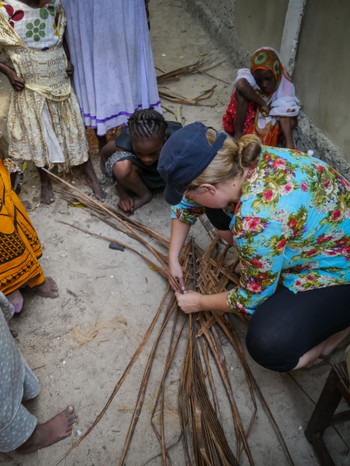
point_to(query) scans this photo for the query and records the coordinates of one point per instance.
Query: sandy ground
(118, 294)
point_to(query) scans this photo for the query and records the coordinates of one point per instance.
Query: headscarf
(267, 58)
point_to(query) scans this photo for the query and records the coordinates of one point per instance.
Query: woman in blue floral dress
(290, 222)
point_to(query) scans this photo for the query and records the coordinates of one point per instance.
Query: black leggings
(218, 218)
(288, 325)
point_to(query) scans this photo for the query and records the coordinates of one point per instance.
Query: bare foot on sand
(126, 204)
(129, 202)
(92, 181)
(96, 188)
(48, 289)
(52, 431)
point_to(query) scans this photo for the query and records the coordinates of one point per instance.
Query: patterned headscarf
(267, 59)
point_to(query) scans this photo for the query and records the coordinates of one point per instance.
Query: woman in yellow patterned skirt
(20, 248)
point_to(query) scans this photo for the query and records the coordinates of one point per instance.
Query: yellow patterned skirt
(20, 247)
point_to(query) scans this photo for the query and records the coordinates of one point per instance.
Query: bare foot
(92, 181)
(48, 289)
(96, 188)
(142, 200)
(47, 196)
(52, 431)
(128, 203)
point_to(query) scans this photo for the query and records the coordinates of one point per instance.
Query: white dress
(111, 52)
(44, 121)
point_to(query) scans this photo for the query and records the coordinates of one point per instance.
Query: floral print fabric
(291, 227)
(37, 27)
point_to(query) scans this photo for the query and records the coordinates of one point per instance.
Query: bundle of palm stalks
(206, 395)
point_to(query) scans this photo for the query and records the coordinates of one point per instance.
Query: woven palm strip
(205, 440)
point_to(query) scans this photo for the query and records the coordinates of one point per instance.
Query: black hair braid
(146, 124)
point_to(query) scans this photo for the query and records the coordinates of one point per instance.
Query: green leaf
(44, 13)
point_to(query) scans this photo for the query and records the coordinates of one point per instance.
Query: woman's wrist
(203, 302)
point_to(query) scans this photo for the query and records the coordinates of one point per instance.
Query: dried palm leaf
(178, 99)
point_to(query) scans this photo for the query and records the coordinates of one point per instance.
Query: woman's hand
(189, 301)
(177, 274)
(16, 81)
(265, 110)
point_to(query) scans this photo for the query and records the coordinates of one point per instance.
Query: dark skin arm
(70, 67)
(244, 94)
(16, 81)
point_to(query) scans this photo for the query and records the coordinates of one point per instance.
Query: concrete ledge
(307, 136)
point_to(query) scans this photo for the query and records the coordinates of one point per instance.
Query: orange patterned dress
(20, 247)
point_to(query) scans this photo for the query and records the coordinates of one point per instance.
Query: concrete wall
(265, 28)
(322, 69)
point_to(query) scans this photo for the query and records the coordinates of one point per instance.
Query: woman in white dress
(111, 52)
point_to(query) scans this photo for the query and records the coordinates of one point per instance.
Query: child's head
(147, 130)
(267, 69)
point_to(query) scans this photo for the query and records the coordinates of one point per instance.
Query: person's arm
(179, 232)
(16, 81)
(70, 67)
(261, 246)
(243, 95)
(246, 91)
(191, 301)
(228, 119)
(183, 215)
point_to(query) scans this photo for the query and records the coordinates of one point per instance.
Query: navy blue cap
(184, 156)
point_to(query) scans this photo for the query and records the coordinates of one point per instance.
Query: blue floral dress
(291, 227)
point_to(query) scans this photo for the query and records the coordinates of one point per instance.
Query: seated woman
(132, 159)
(291, 227)
(263, 101)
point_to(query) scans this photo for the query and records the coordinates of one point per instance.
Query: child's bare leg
(241, 113)
(52, 431)
(92, 181)
(46, 196)
(287, 125)
(131, 189)
(104, 154)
